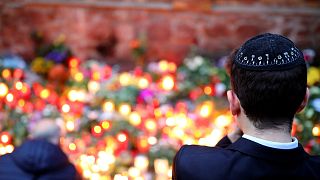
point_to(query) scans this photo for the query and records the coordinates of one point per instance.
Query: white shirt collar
(276, 145)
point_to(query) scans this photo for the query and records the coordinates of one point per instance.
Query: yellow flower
(313, 76)
(41, 66)
(38, 65)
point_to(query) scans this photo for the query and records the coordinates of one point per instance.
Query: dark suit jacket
(244, 159)
(37, 159)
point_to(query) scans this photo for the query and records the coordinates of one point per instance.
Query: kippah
(270, 52)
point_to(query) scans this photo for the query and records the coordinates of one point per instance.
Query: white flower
(190, 64)
(198, 60)
(194, 63)
(220, 89)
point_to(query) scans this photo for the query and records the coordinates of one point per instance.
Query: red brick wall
(171, 27)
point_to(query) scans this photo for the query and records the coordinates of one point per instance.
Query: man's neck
(275, 135)
(280, 134)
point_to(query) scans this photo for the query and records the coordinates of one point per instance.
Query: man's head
(46, 129)
(269, 78)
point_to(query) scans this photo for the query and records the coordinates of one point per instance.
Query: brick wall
(170, 27)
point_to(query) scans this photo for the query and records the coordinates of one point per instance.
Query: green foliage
(125, 94)
(307, 119)
(162, 152)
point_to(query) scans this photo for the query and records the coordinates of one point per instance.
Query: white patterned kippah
(268, 52)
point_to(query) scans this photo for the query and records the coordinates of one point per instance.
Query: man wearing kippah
(269, 86)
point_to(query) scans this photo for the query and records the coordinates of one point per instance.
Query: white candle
(161, 166)
(141, 162)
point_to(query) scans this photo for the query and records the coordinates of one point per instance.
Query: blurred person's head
(269, 81)
(46, 129)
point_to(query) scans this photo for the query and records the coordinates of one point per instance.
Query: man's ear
(305, 101)
(234, 103)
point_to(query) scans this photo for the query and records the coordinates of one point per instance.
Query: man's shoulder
(315, 160)
(201, 154)
(4, 158)
(65, 172)
(202, 159)
(10, 170)
(196, 150)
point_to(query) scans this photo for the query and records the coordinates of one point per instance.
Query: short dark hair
(269, 98)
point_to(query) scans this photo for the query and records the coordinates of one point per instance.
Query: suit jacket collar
(252, 148)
